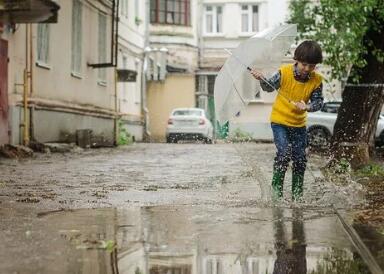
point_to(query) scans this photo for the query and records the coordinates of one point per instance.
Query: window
(124, 8)
(213, 19)
(202, 102)
(137, 11)
(125, 62)
(125, 66)
(213, 266)
(211, 84)
(187, 112)
(331, 107)
(102, 46)
(43, 43)
(76, 37)
(174, 12)
(249, 18)
(137, 84)
(150, 70)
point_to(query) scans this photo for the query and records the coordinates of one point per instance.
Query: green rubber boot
(277, 183)
(297, 186)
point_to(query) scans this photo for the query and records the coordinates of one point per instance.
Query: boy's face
(305, 68)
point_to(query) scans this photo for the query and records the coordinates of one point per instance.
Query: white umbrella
(234, 85)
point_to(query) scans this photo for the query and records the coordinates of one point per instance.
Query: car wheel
(318, 137)
(208, 141)
(380, 140)
(171, 139)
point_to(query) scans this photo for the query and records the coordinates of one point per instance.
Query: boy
(300, 90)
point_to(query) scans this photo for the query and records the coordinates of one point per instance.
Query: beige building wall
(63, 101)
(162, 97)
(55, 80)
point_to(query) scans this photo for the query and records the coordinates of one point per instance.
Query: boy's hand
(257, 74)
(301, 105)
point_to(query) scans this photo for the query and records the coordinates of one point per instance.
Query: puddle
(178, 240)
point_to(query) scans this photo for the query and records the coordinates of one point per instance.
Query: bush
(371, 170)
(125, 138)
(240, 135)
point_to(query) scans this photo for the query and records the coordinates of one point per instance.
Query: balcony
(28, 11)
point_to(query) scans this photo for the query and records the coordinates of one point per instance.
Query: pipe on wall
(25, 124)
(31, 58)
(116, 116)
(145, 111)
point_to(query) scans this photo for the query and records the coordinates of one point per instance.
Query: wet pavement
(170, 208)
(140, 174)
(180, 239)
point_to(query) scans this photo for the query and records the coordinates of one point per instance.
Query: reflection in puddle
(184, 240)
(290, 253)
(175, 269)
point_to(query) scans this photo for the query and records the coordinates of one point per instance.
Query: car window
(184, 112)
(330, 107)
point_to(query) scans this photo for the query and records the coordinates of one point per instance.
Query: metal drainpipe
(116, 48)
(146, 130)
(25, 91)
(116, 122)
(199, 32)
(31, 109)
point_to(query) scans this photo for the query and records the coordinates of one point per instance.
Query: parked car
(189, 123)
(320, 125)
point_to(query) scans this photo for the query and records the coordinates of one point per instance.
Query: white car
(320, 125)
(189, 123)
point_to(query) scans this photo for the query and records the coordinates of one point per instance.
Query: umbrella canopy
(234, 85)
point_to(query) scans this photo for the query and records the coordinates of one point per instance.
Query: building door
(4, 129)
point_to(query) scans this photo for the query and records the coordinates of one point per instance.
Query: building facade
(132, 41)
(172, 58)
(61, 79)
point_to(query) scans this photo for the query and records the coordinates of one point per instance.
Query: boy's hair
(308, 52)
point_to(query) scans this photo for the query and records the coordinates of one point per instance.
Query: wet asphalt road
(168, 208)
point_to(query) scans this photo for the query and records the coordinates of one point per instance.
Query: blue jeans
(290, 143)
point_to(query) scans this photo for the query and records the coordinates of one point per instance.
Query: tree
(351, 33)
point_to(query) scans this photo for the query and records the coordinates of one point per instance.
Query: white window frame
(214, 19)
(137, 83)
(249, 13)
(102, 47)
(43, 41)
(77, 35)
(137, 9)
(124, 8)
(124, 64)
(150, 70)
